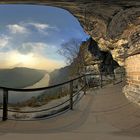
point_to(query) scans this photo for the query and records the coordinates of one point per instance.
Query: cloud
(41, 27)
(24, 27)
(4, 40)
(31, 47)
(17, 28)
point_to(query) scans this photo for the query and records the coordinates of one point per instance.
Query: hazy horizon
(27, 68)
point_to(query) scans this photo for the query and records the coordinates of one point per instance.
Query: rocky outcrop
(106, 63)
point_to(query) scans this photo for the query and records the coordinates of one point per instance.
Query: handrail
(48, 87)
(42, 110)
(72, 100)
(43, 88)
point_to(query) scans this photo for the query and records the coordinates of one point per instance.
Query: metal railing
(74, 97)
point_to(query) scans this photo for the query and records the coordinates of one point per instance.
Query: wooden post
(71, 95)
(5, 105)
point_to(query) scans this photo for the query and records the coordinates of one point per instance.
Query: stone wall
(132, 89)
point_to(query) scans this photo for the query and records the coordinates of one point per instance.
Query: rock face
(132, 89)
(106, 63)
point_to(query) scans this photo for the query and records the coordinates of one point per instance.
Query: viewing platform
(101, 114)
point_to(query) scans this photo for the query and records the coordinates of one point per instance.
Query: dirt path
(103, 114)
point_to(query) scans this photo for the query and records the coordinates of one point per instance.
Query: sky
(30, 36)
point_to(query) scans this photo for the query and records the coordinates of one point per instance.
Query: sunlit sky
(30, 36)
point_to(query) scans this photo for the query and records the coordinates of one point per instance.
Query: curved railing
(73, 97)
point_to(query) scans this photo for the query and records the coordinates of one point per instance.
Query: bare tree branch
(70, 49)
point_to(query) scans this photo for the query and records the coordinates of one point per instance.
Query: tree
(75, 52)
(70, 49)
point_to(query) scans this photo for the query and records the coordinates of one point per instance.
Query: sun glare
(24, 59)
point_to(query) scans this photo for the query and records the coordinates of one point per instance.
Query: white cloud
(29, 47)
(24, 27)
(40, 26)
(4, 40)
(16, 28)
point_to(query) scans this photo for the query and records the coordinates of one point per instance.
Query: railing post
(121, 76)
(71, 95)
(114, 79)
(5, 105)
(101, 80)
(85, 84)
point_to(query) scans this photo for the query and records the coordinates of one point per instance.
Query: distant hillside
(55, 77)
(60, 75)
(20, 77)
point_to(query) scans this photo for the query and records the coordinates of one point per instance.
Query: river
(15, 97)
